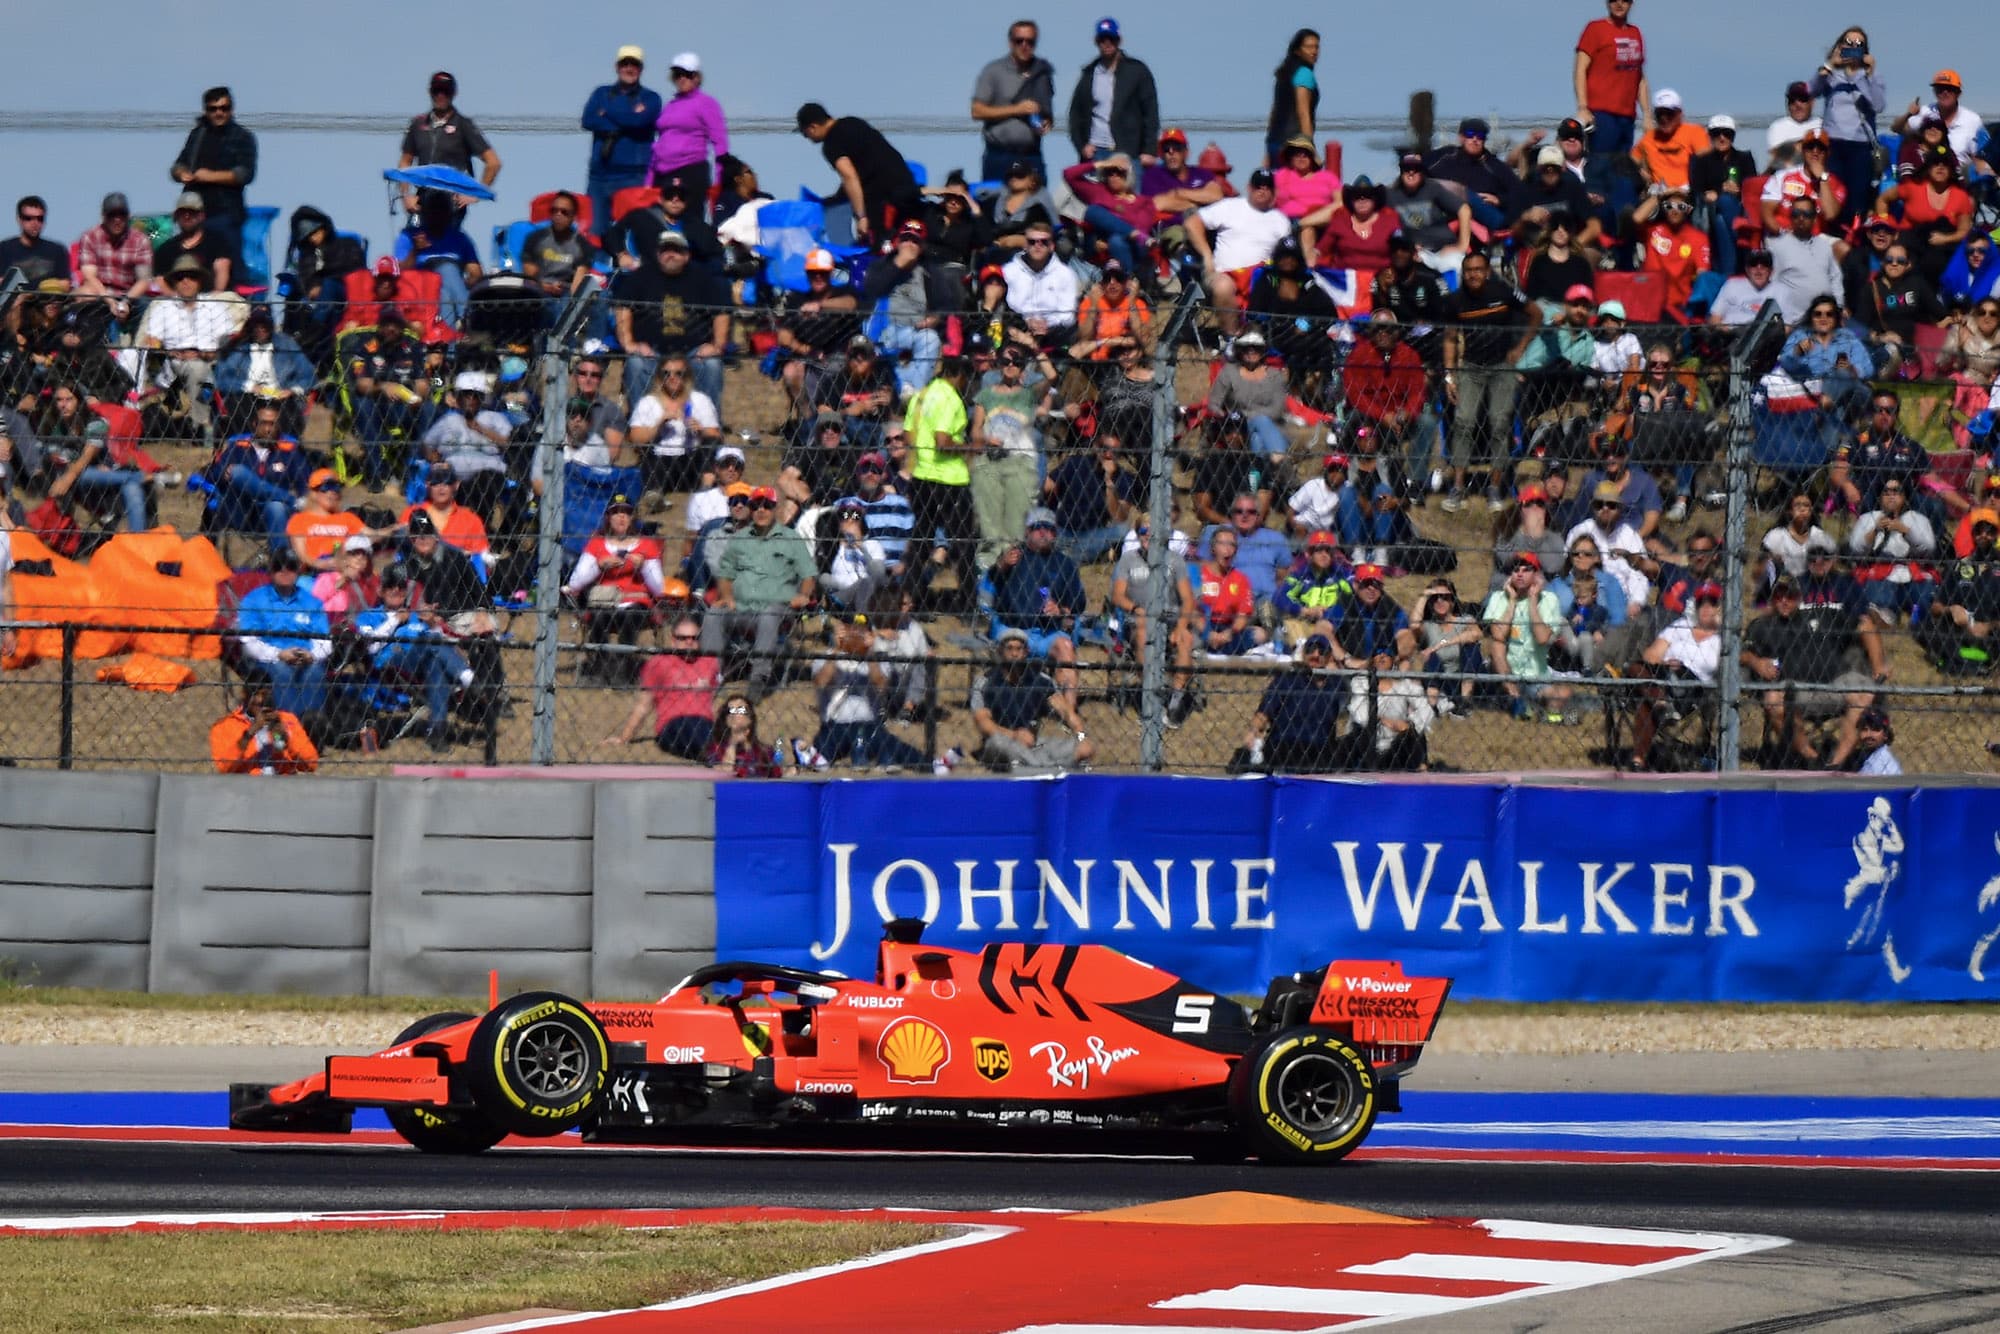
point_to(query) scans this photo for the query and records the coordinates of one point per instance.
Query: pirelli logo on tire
(992, 1059)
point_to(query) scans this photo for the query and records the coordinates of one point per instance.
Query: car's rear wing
(1388, 1016)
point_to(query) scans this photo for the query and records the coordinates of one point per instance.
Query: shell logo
(913, 1050)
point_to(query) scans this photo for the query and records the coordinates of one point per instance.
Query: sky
(364, 58)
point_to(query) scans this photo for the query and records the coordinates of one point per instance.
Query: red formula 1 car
(1015, 1037)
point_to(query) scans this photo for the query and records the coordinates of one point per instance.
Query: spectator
(1899, 300)
(691, 126)
(1783, 134)
(1874, 736)
(1623, 550)
(283, 632)
(1488, 182)
(1041, 292)
(1743, 295)
(1961, 123)
(714, 537)
(1825, 351)
(1294, 97)
(1228, 470)
(1114, 108)
(78, 357)
(1013, 99)
(351, 586)
(1551, 193)
(451, 587)
(403, 640)
(1126, 400)
(1805, 267)
(1297, 315)
(259, 738)
(1433, 215)
(1491, 326)
(1610, 78)
(1008, 704)
(764, 579)
(1023, 198)
(711, 503)
(920, 294)
(1370, 518)
(678, 208)
(1882, 452)
(1970, 277)
(1715, 179)
(1637, 491)
(739, 187)
(1292, 730)
(1314, 589)
(679, 687)
(859, 566)
(853, 684)
(1524, 526)
(1789, 645)
(669, 306)
(1811, 181)
(218, 161)
(1232, 237)
(264, 472)
(1388, 721)
(320, 531)
(434, 241)
(1670, 147)
(1175, 184)
(1226, 602)
(557, 258)
(470, 438)
(189, 328)
(1962, 631)
(442, 137)
(1937, 212)
(620, 119)
(1616, 353)
(1854, 93)
(678, 426)
(39, 259)
(1092, 498)
(889, 518)
(1249, 385)
(733, 743)
(1131, 585)
(1687, 651)
(616, 579)
(940, 486)
(1313, 506)
(874, 178)
(388, 388)
(78, 444)
(114, 259)
(1788, 546)
(1363, 233)
(1037, 588)
(457, 526)
(1452, 643)
(1522, 621)
(1003, 476)
(1262, 554)
(1893, 548)
(959, 235)
(1412, 292)
(1370, 623)
(1114, 212)
(1675, 248)
(1384, 385)
(262, 366)
(813, 473)
(1307, 192)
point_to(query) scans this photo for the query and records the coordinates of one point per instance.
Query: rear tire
(1309, 1098)
(439, 1129)
(536, 1064)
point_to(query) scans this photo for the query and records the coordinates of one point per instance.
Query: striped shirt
(890, 521)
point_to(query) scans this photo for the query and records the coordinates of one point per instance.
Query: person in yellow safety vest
(941, 479)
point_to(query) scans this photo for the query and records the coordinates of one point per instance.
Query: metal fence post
(66, 742)
(549, 534)
(1159, 555)
(1739, 471)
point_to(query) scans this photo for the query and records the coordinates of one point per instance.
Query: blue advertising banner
(1518, 892)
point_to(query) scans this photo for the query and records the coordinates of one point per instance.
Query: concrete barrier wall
(393, 886)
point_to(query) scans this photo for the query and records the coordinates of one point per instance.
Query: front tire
(1309, 1098)
(537, 1064)
(440, 1129)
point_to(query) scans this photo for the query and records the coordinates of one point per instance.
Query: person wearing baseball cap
(1176, 182)
(691, 126)
(1488, 182)
(1432, 214)
(1962, 631)
(283, 632)
(1307, 600)
(441, 137)
(194, 239)
(1524, 618)
(1675, 248)
(710, 504)
(113, 259)
(1311, 508)
(1114, 108)
(620, 118)
(318, 531)
(1716, 178)
(874, 178)
(1961, 123)
(1668, 150)
(1235, 235)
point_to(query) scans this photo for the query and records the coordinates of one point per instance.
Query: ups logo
(991, 1059)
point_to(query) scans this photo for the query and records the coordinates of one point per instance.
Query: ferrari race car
(1014, 1037)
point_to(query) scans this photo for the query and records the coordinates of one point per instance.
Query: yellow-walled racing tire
(1308, 1097)
(536, 1064)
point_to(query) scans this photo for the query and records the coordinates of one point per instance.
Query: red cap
(991, 271)
(1322, 538)
(1580, 292)
(1173, 134)
(1339, 460)
(1368, 574)
(1708, 592)
(764, 493)
(1525, 558)
(387, 267)
(1534, 495)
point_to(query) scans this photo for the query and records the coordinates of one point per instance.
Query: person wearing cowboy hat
(190, 329)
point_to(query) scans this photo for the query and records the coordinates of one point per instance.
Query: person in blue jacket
(401, 639)
(620, 119)
(262, 365)
(1824, 352)
(261, 474)
(294, 662)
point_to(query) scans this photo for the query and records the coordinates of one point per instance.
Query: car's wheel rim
(1316, 1094)
(550, 1059)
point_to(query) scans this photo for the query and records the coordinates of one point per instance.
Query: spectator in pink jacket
(691, 124)
(1113, 209)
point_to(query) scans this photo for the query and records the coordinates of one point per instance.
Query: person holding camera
(1854, 93)
(259, 738)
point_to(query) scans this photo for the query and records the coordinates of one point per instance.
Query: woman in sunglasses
(1971, 276)
(1898, 299)
(733, 743)
(1685, 659)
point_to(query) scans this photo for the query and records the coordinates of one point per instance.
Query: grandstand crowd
(1443, 442)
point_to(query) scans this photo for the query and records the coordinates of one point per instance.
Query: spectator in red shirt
(733, 743)
(1610, 78)
(1937, 213)
(1226, 600)
(680, 689)
(1384, 381)
(1676, 249)
(1811, 179)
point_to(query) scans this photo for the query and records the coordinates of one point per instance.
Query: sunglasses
(1988, 312)
(1039, 241)
(590, 375)
(765, 504)
(669, 375)
(1608, 505)
(1885, 407)
(687, 639)
(1660, 365)
(1825, 314)
(734, 501)
(739, 710)
(1900, 261)
(1243, 511)
(219, 106)
(1584, 553)
(1024, 41)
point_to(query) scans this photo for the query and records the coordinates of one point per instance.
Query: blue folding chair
(508, 243)
(254, 244)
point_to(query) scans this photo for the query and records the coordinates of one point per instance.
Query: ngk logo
(1376, 984)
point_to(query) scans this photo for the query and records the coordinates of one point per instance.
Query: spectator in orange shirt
(320, 529)
(1675, 248)
(1670, 148)
(457, 525)
(1112, 311)
(257, 738)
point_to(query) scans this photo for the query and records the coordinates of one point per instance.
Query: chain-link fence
(1386, 549)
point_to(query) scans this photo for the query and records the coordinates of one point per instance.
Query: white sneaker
(1453, 502)
(169, 478)
(948, 761)
(1678, 511)
(808, 755)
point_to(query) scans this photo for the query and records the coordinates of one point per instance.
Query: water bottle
(1035, 120)
(369, 740)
